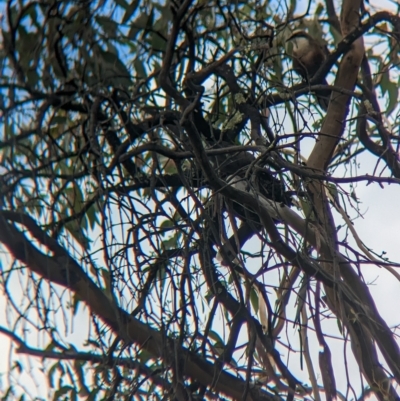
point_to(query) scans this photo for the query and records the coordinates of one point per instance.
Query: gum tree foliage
(172, 194)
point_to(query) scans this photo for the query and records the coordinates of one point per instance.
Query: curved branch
(61, 268)
(72, 355)
(352, 290)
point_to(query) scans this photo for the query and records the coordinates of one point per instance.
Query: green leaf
(93, 343)
(7, 394)
(215, 336)
(139, 68)
(319, 10)
(58, 119)
(74, 395)
(107, 279)
(219, 345)
(26, 43)
(114, 71)
(122, 3)
(157, 42)
(32, 77)
(109, 25)
(62, 391)
(93, 395)
(391, 89)
(130, 9)
(92, 215)
(78, 368)
(78, 198)
(50, 346)
(209, 297)
(301, 298)
(76, 231)
(339, 324)
(31, 11)
(52, 371)
(161, 274)
(307, 208)
(171, 242)
(75, 303)
(332, 188)
(150, 19)
(144, 356)
(254, 299)
(142, 22)
(17, 366)
(168, 223)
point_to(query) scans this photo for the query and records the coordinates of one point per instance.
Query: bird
(307, 56)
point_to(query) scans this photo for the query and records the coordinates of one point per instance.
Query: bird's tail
(323, 96)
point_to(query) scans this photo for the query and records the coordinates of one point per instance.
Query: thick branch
(62, 269)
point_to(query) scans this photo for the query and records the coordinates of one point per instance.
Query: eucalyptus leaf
(130, 9)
